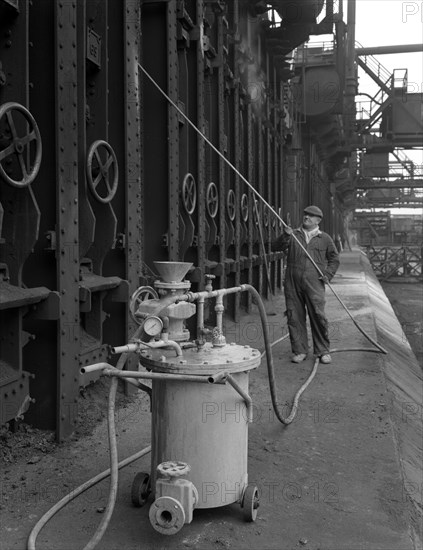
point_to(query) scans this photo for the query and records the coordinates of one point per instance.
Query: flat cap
(313, 211)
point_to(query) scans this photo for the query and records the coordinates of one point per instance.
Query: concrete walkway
(345, 475)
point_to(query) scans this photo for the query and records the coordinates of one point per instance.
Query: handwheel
(142, 294)
(212, 199)
(230, 204)
(100, 160)
(141, 489)
(189, 193)
(17, 146)
(244, 207)
(250, 503)
(173, 468)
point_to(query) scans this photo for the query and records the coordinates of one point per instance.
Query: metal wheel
(98, 170)
(189, 193)
(212, 199)
(250, 503)
(244, 207)
(230, 205)
(14, 147)
(141, 489)
(140, 295)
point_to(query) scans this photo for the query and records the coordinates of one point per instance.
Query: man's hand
(288, 230)
(324, 279)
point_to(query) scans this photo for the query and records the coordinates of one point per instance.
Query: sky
(392, 22)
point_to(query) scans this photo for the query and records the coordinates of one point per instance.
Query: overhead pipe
(381, 50)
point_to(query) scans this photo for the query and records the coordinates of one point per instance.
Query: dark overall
(304, 291)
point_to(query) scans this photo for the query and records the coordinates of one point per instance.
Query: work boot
(299, 357)
(326, 359)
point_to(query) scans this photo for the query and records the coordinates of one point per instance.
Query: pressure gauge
(153, 325)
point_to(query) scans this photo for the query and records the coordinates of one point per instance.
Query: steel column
(67, 213)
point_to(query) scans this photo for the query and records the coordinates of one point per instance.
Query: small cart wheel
(140, 489)
(250, 503)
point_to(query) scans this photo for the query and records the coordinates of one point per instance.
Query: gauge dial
(153, 325)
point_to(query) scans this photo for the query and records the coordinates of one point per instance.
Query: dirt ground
(37, 472)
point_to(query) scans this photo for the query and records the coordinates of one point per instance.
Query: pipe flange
(167, 515)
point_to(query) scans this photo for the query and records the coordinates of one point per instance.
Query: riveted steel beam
(201, 146)
(134, 205)
(65, 27)
(173, 129)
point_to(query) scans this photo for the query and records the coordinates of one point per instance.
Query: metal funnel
(172, 272)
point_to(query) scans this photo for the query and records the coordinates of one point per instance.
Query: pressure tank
(203, 424)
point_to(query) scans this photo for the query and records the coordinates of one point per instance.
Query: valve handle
(100, 170)
(173, 468)
(230, 204)
(212, 199)
(142, 294)
(189, 193)
(244, 207)
(17, 147)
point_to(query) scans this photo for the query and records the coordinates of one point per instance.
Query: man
(304, 286)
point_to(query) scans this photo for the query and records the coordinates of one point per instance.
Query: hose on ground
(286, 420)
(113, 471)
(75, 493)
(115, 465)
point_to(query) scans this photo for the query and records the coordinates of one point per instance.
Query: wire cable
(258, 195)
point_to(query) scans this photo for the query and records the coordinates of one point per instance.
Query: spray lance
(122, 360)
(260, 197)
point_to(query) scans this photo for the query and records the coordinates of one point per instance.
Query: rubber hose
(113, 468)
(75, 493)
(270, 367)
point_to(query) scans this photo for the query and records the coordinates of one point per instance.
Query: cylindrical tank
(202, 424)
(322, 91)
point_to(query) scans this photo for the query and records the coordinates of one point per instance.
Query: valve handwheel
(17, 147)
(189, 193)
(98, 170)
(266, 217)
(142, 294)
(244, 207)
(212, 199)
(173, 468)
(230, 204)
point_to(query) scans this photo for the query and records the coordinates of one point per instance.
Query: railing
(414, 170)
(375, 66)
(393, 261)
(369, 111)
